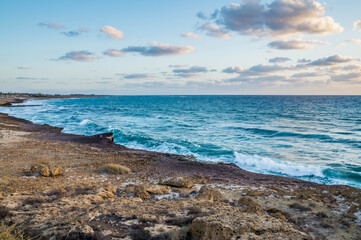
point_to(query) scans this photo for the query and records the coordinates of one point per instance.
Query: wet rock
(210, 194)
(80, 232)
(138, 190)
(46, 170)
(243, 226)
(158, 189)
(250, 205)
(181, 182)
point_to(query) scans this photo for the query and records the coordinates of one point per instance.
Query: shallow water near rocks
(316, 138)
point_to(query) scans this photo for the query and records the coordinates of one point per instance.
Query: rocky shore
(62, 186)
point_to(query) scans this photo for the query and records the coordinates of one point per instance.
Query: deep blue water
(317, 138)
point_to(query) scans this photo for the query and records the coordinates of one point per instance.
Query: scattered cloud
(112, 32)
(347, 78)
(113, 53)
(279, 18)
(71, 33)
(51, 25)
(190, 72)
(357, 25)
(215, 31)
(30, 78)
(355, 40)
(22, 68)
(177, 66)
(79, 56)
(279, 60)
(190, 35)
(332, 61)
(295, 44)
(159, 49)
(137, 76)
(304, 60)
(233, 70)
(75, 33)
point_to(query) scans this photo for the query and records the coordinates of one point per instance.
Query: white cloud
(279, 60)
(191, 35)
(113, 53)
(137, 76)
(159, 49)
(357, 25)
(112, 32)
(295, 44)
(215, 31)
(279, 18)
(51, 25)
(332, 61)
(190, 72)
(79, 56)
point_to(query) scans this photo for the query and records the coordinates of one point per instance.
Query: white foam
(85, 122)
(268, 165)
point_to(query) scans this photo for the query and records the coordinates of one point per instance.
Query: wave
(85, 122)
(268, 165)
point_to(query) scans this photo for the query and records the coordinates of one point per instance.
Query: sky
(162, 47)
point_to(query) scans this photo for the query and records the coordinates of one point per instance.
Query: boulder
(181, 182)
(249, 205)
(158, 189)
(238, 225)
(46, 170)
(210, 194)
(138, 190)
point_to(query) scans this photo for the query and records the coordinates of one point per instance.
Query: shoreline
(209, 201)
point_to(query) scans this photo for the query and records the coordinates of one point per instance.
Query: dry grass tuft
(112, 168)
(11, 233)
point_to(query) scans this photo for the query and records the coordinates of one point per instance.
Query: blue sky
(181, 47)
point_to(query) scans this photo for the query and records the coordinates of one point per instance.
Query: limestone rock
(243, 226)
(210, 194)
(138, 190)
(46, 170)
(161, 231)
(181, 182)
(250, 205)
(158, 189)
(107, 192)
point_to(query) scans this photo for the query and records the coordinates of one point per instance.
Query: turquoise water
(316, 138)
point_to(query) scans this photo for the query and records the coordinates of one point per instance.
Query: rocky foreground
(62, 186)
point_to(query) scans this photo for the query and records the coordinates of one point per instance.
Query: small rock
(181, 182)
(107, 192)
(138, 190)
(349, 215)
(46, 170)
(210, 194)
(250, 205)
(158, 189)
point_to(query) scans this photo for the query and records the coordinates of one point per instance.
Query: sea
(315, 138)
